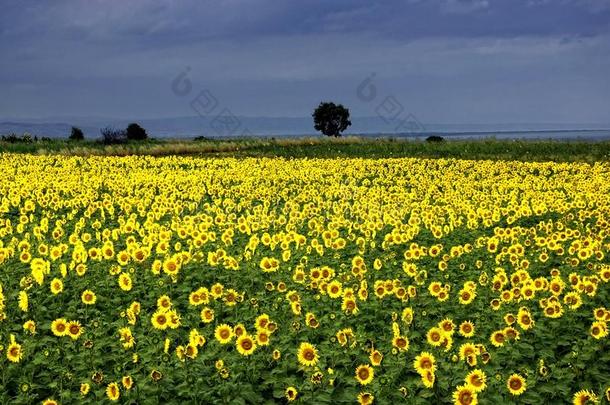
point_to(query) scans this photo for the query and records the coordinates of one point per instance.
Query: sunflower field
(268, 280)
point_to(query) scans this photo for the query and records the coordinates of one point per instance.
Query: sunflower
(498, 338)
(112, 391)
(23, 301)
(599, 314)
(511, 333)
(126, 338)
(376, 357)
(291, 394)
(466, 296)
(424, 362)
(364, 374)
(447, 326)
(231, 297)
(74, 329)
(525, 320)
(59, 327)
(465, 395)
(349, 306)
(509, 319)
(127, 382)
(583, 397)
(401, 343)
(334, 289)
(239, 329)
(365, 398)
(262, 338)
(516, 384)
(477, 380)
(160, 320)
(311, 321)
(164, 303)
(468, 349)
(125, 282)
(30, 326)
(261, 321)
(191, 351)
(156, 375)
(13, 352)
(271, 327)
(428, 379)
(84, 388)
(135, 307)
(171, 267)
(435, 336)
(245, 345)
(57, 286)
(174, 319)
(207, 315)
(88, 297)
(223, 333)
(50, 401)
(181, 352)
(307, 354)
(467, 329)
(599, 329)
(407, 315)
(435, 288)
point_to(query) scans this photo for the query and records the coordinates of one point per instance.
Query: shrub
(136, 133)
(435, 138)
(14, 138)
(76, 134)
(112, 136)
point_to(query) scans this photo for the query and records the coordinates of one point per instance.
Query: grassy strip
(321, 147)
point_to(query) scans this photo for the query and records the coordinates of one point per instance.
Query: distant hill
(176, 127)
(52, 130)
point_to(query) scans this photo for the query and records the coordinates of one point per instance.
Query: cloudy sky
(445, 61)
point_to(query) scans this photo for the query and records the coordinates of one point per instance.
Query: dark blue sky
(445, 61)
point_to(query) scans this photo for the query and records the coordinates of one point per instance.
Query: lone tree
(136, 132)
(331, 119)
(76, 134)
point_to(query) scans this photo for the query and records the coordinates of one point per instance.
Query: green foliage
(363, 147)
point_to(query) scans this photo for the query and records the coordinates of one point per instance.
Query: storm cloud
(460, 61)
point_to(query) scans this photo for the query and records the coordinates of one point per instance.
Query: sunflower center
(465, 398)
(363, 373)
(309, 355)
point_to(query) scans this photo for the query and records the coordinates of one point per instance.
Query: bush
(76, 134)
(435, 138)
(136, 132)
(112, 136)
(14, 138)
